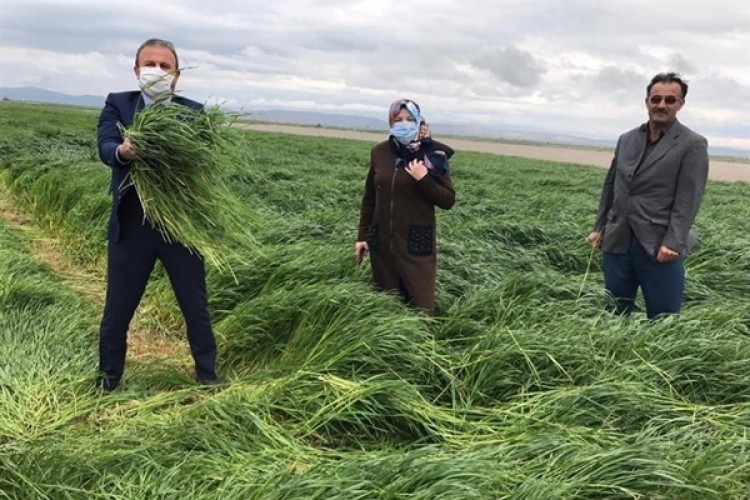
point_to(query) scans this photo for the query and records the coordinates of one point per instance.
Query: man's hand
(666, 254)
(126, 152)
(595, 239)
(360, 251)
(417, 169)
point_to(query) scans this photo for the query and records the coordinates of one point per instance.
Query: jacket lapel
(665, 144)
(139, 104)
(632, 153)
(135, 103)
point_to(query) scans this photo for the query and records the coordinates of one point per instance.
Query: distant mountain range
(42, 95)
(354, 122)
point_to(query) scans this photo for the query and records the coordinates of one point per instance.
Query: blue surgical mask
(405, 132)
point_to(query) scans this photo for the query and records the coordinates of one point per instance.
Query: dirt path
(719, 170)
(144, 344)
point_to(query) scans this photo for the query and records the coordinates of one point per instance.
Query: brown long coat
(397, 219)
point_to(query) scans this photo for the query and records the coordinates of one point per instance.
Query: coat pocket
(420, 240)
(659, 222)
(373, 238)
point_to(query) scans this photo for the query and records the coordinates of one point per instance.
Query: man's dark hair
(668, 78)
(156, 42)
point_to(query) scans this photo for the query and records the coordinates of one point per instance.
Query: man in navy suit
(134, 245)
(650, 198)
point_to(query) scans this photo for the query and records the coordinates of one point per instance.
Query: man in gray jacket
(650, 198)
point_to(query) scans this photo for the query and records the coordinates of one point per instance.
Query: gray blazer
(658, 202)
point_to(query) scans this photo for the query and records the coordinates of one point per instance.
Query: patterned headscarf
(410, 106)
(436, 161)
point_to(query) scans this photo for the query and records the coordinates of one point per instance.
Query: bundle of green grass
(185, 158)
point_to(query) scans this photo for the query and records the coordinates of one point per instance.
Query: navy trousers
(662, 284)
(129, 265)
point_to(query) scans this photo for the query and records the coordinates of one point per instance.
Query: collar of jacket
(645, 127)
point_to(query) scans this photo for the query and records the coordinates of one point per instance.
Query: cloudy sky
(565, 66)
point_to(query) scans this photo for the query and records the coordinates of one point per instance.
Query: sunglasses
(668, 99)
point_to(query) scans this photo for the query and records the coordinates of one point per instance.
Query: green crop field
(521, 386)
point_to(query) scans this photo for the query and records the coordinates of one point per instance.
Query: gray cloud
(614, 80)
(680, 64)
(721, 91)
(515, 66)
(578, 65)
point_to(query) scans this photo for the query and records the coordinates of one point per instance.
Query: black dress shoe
(108, 384)
(209, 381)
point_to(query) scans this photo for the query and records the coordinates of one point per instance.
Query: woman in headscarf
(409, 175)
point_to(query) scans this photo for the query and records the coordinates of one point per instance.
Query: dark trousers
(662, 283)
(129, 265)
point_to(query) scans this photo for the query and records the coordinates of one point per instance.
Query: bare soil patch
(718, 170)
(144, 343)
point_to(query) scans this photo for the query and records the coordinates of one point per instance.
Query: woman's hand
(424, 131)
(416, 169)
(360, 251)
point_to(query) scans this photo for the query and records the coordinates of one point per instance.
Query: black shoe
(108, 384)
(213, 382)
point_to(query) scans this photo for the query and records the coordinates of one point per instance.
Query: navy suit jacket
(121, 108)
(658, 200)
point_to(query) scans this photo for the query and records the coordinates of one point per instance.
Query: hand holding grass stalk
(183, 159)
(126, 152)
